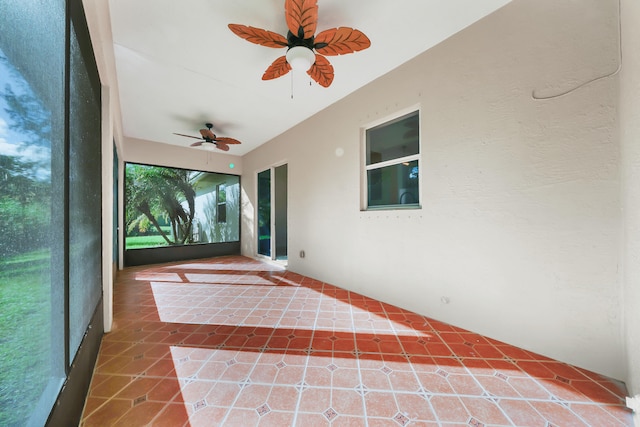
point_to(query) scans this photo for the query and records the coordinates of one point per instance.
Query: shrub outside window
(392, 164)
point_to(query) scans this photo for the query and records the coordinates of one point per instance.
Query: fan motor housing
(293, 41)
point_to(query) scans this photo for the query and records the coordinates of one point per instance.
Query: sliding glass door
(272, 212)
(280, 212)
(264, 213)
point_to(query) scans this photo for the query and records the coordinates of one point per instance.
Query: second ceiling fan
(303, 46)
(207, 136)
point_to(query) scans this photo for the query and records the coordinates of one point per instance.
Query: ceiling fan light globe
(300, 58)
(208, 147)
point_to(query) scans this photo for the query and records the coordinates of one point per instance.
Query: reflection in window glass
(392, 163)
(393, 185)
(394, 139)
(171, 206)
(25, 251)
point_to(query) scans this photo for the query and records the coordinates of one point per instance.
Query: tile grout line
(261, 350)
(309, 350)
(575, 392)
(415, 374)
(357, 355)
(471, 374)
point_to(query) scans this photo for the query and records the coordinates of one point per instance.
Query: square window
(222, 204)
(392, 163)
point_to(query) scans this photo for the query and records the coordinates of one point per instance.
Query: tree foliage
(25, 191)
(25, 207)
(155, 193)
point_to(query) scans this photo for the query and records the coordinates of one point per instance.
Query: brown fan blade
(222, 146)
(342, 40)
(226, 140)
(188, 136)
(278, 68)
(302, 17)
(321, 71)
(197, 144)
(207, 134)
(259, 36)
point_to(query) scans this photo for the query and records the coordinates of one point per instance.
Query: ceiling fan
(207, 136)
(301, 42)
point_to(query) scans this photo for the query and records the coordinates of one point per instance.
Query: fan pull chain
(310, 83)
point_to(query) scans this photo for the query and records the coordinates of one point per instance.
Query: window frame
(365, 168)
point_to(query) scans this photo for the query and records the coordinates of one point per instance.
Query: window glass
(394, 139)
(222, 203)
(392, 163)
(393, 185)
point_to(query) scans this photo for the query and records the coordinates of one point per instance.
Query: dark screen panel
(85, 197)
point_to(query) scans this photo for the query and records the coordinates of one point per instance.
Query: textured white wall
(153, 153)
(520, 219)
(630, 142)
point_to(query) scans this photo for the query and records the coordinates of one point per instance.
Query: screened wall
(50, 211)
(173, 213)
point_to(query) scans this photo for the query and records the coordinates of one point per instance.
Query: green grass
(139, 242)
(25, 334)
(152, 241)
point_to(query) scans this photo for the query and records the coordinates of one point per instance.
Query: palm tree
(153, 192)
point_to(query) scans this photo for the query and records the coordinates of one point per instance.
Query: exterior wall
(630, 142)
(518, 237)
(208, 228)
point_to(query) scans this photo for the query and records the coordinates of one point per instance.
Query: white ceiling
(175, 65)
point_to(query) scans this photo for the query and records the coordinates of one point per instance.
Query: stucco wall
(630, 142)
(520, 219)
(153, 153)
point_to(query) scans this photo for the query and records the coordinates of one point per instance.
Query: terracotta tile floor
(234, 342)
